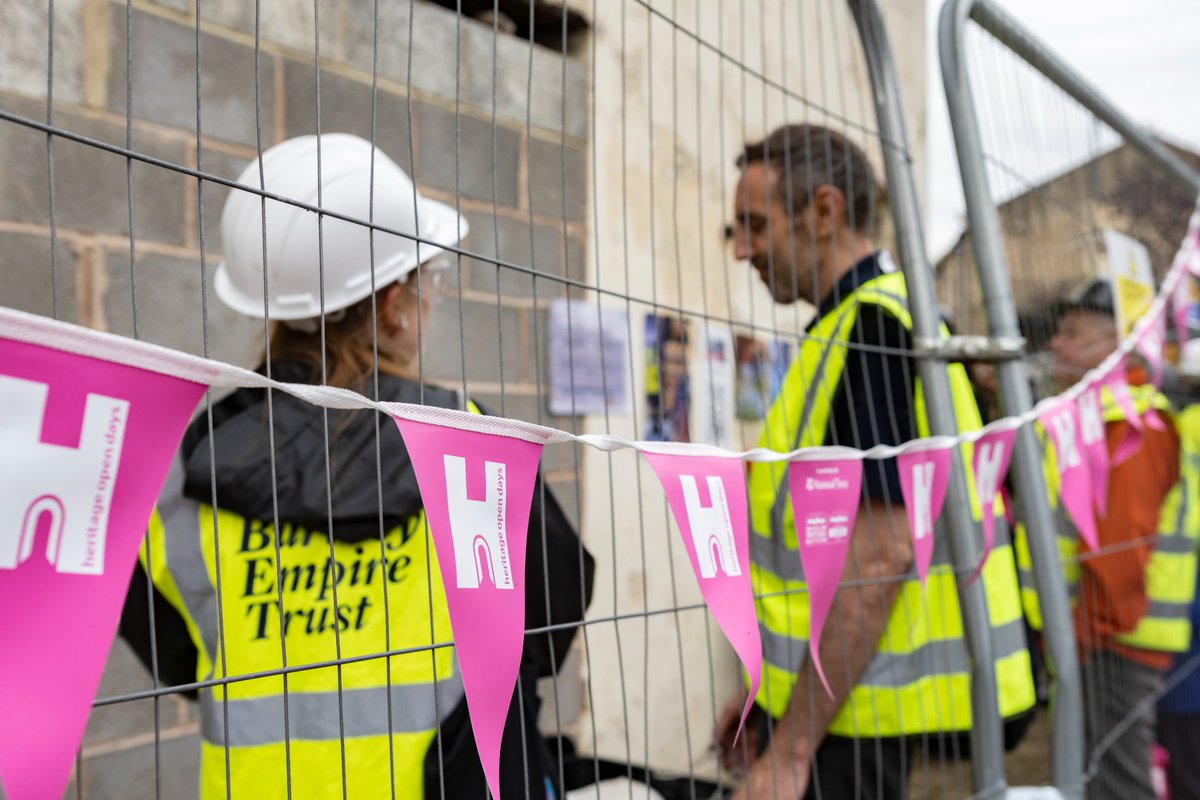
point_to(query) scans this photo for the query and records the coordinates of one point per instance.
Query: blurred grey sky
(1143, 54)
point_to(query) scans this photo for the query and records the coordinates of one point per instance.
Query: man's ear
(828, 211)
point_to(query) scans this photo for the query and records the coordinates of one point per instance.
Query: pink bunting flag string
(989, 464)
(825, 497)
(924, 475)
(86, 446)
(707, 496)
(477, 489)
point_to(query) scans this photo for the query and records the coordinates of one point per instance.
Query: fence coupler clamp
(970, 348)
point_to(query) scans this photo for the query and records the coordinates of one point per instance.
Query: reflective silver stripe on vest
(314, 716)
(1166, 610)
(1175, 544)
(894, 670)
(185, 558)
(784, 562)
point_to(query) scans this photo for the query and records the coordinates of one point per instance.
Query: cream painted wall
(669, 116)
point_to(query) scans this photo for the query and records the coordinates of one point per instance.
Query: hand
(736, 757)
(778, 775)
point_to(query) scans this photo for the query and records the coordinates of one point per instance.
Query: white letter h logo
(922, 483)
(712, 531)
(478, 527)
(71, 486)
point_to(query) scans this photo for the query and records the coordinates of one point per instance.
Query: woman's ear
(389, 310)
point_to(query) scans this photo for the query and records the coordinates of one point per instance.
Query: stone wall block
(456, 155)
(346, 107)
(234, 93)
(131, 773)
(513, 237)
(91, 185)
(25, 64)
(489, 338)
(547, 161)
(170, 308)
(26, 279)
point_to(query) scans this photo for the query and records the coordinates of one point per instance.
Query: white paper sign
(1132, 276)
(583, 340)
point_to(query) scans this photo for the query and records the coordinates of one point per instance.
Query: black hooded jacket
(559, 571)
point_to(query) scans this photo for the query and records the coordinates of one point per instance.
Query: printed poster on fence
(84, 447)
(667, 347)
(589, 358)
(712, 398)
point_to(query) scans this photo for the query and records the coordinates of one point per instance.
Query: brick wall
(86, 258)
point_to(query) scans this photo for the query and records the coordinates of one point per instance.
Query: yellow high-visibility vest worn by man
(894, 655)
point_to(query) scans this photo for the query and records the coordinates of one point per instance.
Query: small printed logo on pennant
(479, 527)
(707, 497)
(68, 490)
(711, 527)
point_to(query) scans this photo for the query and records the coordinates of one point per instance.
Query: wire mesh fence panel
(662, 221)
(1089, 223)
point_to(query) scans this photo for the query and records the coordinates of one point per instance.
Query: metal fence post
(984, 221)
(1067, 755)
(987, 737)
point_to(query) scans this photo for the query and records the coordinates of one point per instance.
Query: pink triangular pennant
(992, 453)
(1181, 307)
(477, 489)
(923, 478)
(1150, 343)
(84, 447)
(1010, 513)
(1095, 445)
(825, 497)
(1118, 386)
(707, 496)
(1061, 422)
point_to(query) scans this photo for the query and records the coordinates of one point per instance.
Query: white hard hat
(294, 243)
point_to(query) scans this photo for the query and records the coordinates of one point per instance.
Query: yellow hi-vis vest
(1171, 569)
(919, 679)
(366, 725)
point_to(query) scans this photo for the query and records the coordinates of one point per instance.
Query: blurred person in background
(1132, 598)
(804, 220)
(288, 535)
